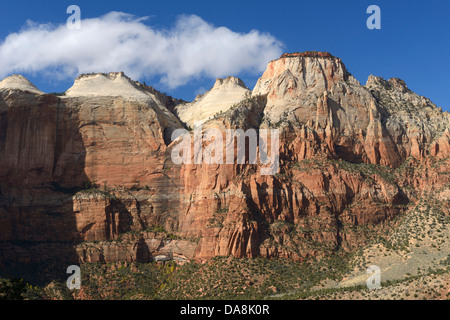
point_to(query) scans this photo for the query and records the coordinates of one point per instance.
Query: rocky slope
(88, 176)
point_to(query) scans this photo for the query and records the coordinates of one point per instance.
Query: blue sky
(413, 43)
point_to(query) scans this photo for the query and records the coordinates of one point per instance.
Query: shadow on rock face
(42, 158)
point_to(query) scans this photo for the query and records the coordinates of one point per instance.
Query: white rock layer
(224, 94)
(112, 84)
(18, 82)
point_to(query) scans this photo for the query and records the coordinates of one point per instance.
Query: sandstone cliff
(88, 176)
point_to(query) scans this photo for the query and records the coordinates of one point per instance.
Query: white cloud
(117, 41)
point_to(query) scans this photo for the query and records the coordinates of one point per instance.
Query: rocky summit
(87, 176)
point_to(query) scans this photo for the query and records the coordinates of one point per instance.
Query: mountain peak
(229, 81)
(392, 83)
(18, 82)
(223, 95)
(375, 80)
(107, 84)
(294, 75)
(399, 84)
(109, 75)
(308, 54)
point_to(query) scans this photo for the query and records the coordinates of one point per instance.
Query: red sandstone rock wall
(90, 178)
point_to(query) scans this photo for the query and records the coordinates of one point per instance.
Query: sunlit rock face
(88, 176)
(221, 97)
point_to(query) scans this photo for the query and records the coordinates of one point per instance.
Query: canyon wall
(88, 176)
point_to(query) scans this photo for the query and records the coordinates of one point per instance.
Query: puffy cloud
(117, 41)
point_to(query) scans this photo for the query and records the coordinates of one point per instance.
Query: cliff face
(88, 176)
(382, 122)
